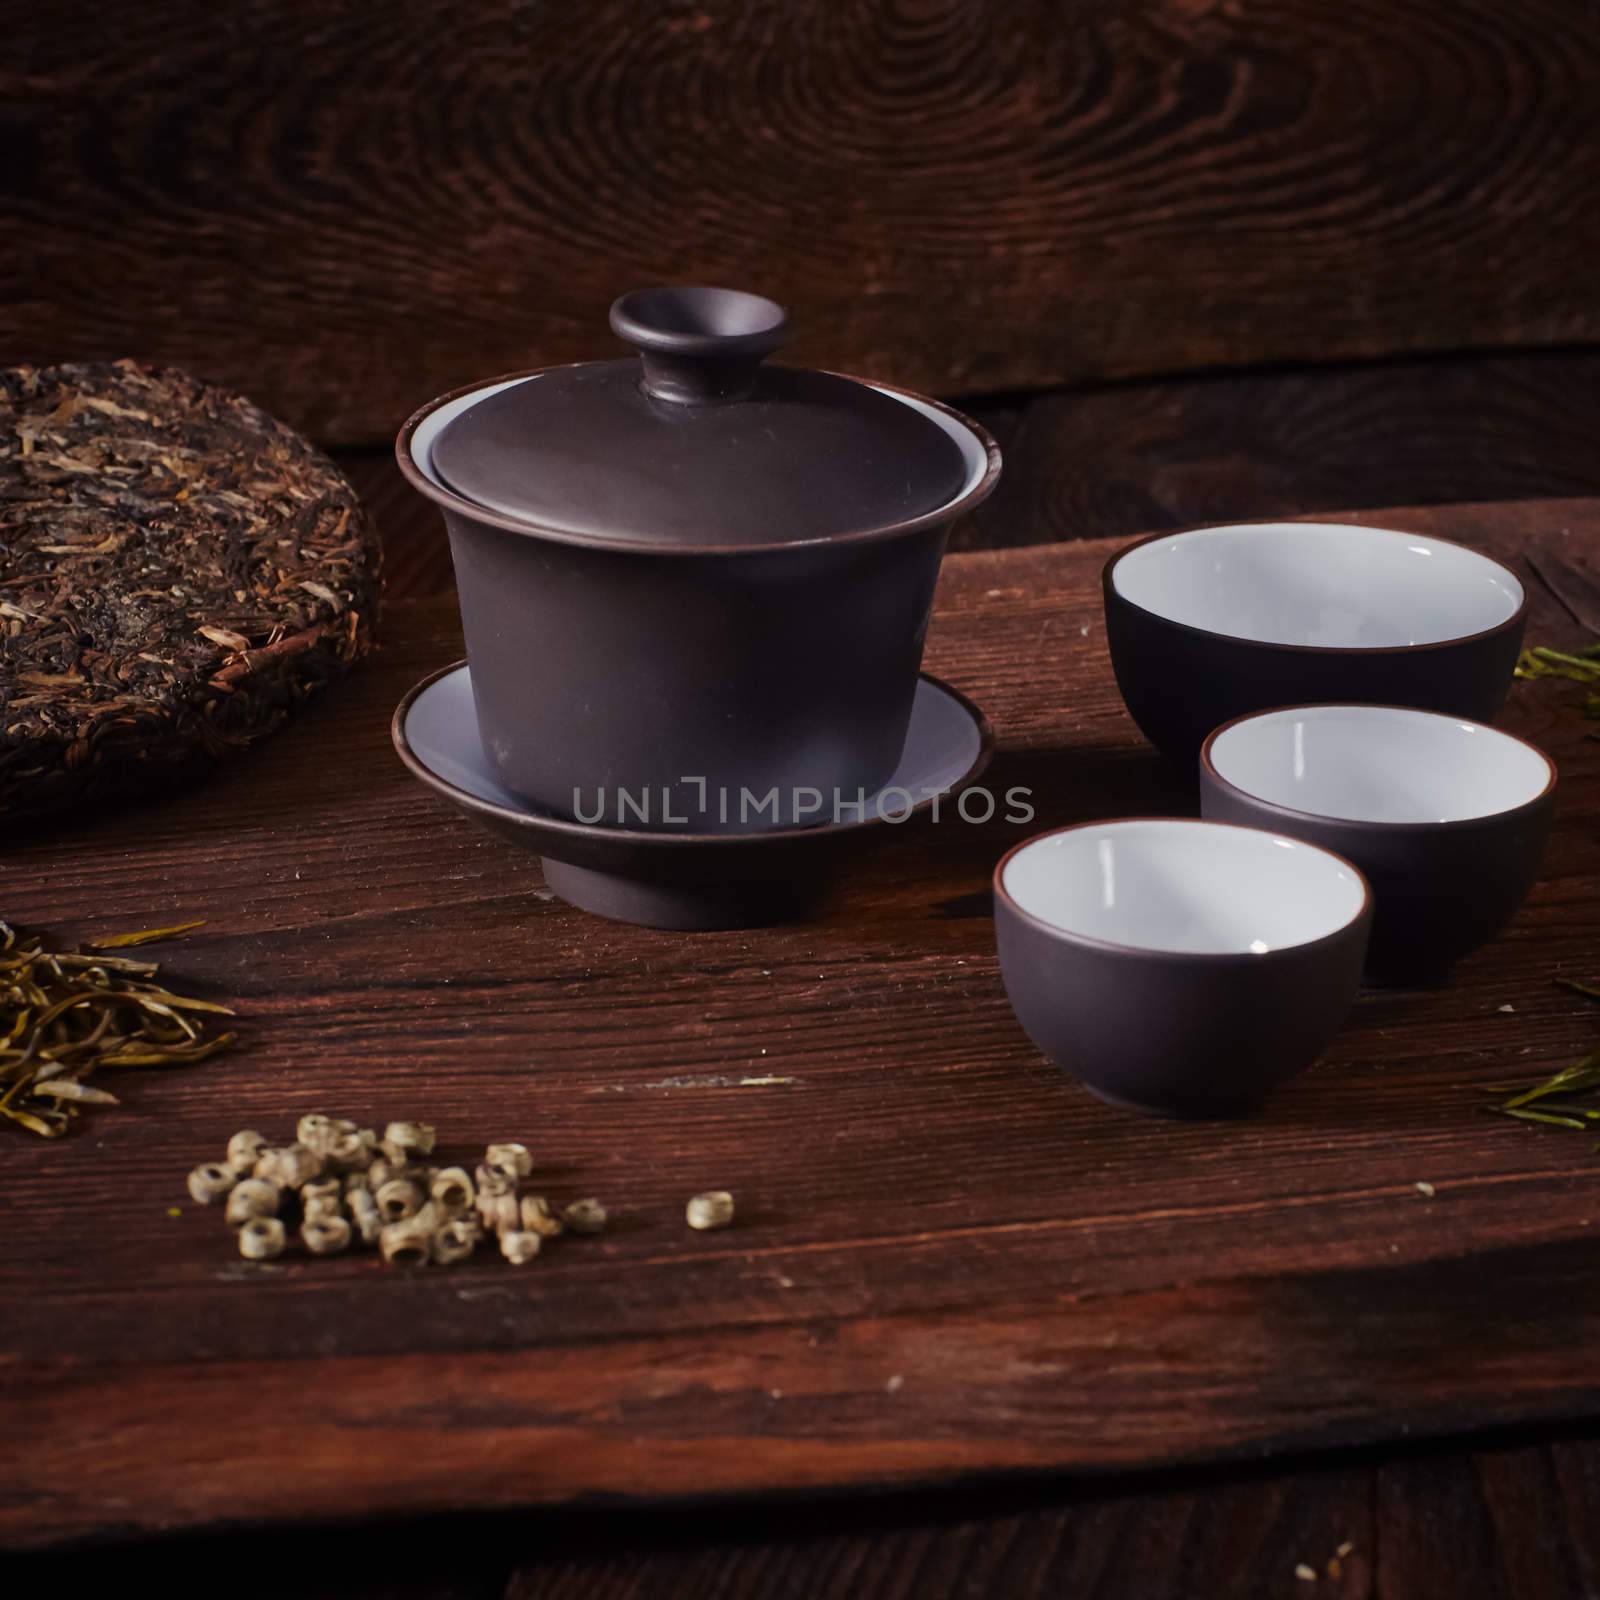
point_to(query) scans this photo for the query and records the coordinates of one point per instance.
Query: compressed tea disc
(178, 572)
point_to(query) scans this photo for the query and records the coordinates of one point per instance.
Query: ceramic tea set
(694, 591)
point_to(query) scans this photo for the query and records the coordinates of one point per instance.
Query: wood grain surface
(950, 1259)
(345, 210)
(1168, 453)
(1503, 1520)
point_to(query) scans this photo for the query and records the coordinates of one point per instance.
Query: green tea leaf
(63, 1015)
(1579, 1078)
(122, 941)
(1550, 1118)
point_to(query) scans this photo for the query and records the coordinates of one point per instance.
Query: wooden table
(951, 1261)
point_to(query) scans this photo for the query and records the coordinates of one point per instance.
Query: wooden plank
(1243, 1536)
(1496, 1524)
(952, 1259)
(1172, 452)
(1502, 1521)
(344, 214)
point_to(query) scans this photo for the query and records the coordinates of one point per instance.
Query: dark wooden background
(1196, 259)
(343, 208)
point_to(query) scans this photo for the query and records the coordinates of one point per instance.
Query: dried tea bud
(537, 1217)
(514, 1161)
(365, 1215)
(348, 1151)
(585, 1216)
(398, 1199)
(499, 1212)
(252, 1197)
(244, 1150)
(290, 1166)
(415, 1138)
(314, 1131)
(261, 1238)
(325, 1236)
(713, 1210)
(404, 1244)
(452, 1189)
(492, 1180)
(517, 1246)
(455, 1240)
(81, 1094)
(211, 1182)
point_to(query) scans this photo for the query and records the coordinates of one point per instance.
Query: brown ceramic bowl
(1447, 818)
(1179, 967)
(703, 593)
(1214, 623)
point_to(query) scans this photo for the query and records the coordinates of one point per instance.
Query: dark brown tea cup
(1213, 623)
(694, 589)
(1179, 967)
(1446, 818)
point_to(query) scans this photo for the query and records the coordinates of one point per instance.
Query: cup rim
(1210, 770)
(1110, 592)
(448, 499)
(1207, 957)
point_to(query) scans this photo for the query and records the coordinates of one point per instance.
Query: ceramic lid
(694, 442)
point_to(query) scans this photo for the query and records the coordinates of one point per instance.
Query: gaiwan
(688, 576)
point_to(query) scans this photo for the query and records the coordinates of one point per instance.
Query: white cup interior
(1379, 764)
(1329, 585)
(1180, 886)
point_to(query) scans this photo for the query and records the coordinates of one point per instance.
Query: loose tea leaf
(1549, 1118)
(1556, 1101)
(65, 1015)
(178, 571)
(1582, 666)
(1579, 1078)
(121, 941)
(1578, 986)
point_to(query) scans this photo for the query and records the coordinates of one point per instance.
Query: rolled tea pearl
(261, 1238)
(518, 1246)
(211, 1182)
(585, 1216)
(455, 1240)
(537, 1216)
(452, 1189)
(325, 1236)
(711, 1210)
(245, 1148)
(253, 1197)
(414, 1138)
(513, 1160)
(364, 1215)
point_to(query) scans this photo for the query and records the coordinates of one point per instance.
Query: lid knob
(699, 347)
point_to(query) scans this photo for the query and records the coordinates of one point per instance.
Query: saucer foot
(680, 907)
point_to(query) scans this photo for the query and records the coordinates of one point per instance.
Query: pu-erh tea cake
(178, 571)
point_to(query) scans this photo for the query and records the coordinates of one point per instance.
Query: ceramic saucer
(682, 880)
